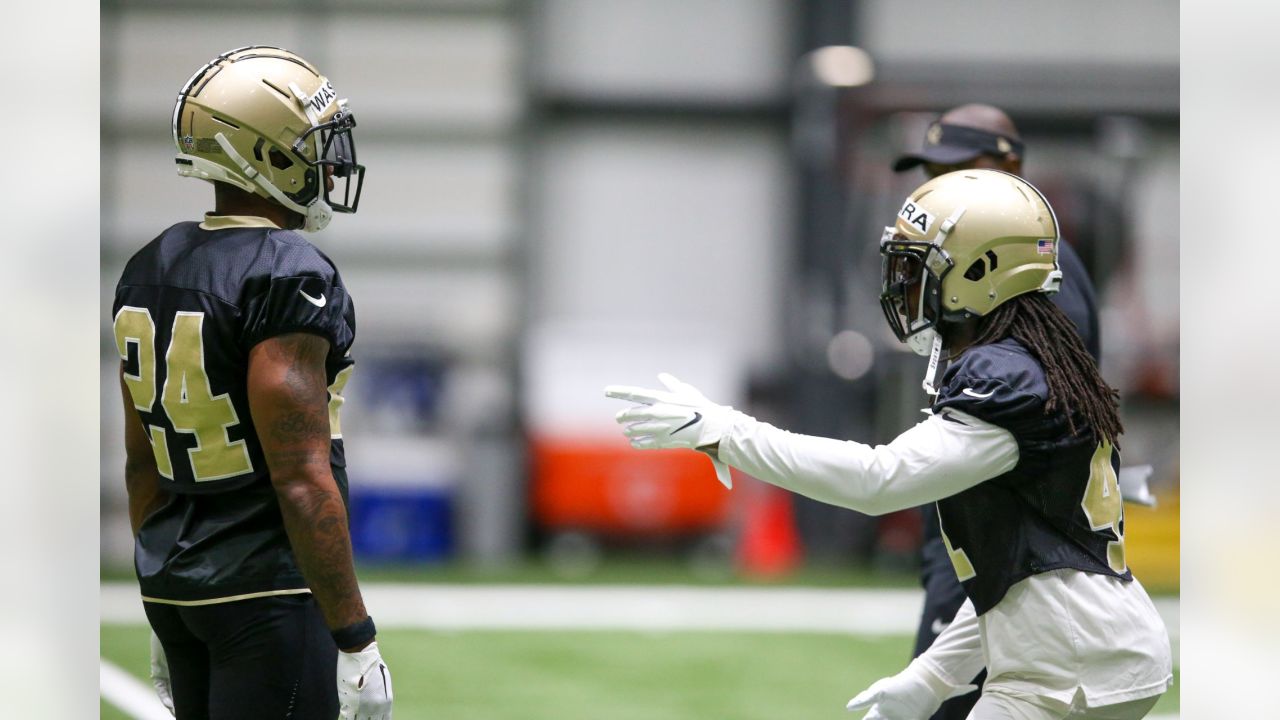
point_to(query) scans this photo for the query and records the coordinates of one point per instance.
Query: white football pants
(996, 704)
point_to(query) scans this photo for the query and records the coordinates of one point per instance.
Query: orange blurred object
(769, 546)
(607, 486)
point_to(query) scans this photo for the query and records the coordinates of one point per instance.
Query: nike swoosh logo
(938, 626)
(318, 302)
(980, 396)
(697, 416)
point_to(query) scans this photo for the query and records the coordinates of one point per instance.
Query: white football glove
(160, 673)
(680, 417)
(913, 694)
(364, 685)
(1133, 485)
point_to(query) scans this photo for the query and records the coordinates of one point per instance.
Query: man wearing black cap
(970, 136)
(981, 137)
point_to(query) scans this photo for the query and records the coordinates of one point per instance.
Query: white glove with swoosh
(679, 417)
(913, 694)
(364, 685)
(160, 673)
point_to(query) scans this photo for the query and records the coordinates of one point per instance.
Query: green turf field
(612, 676)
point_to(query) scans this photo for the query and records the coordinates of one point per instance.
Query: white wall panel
(566, 367)
(470, 312)
(1036, 31)
(692, 49)
(450, 70)
(433, 196)
(397, 68)
(419, 198)
(673, 226)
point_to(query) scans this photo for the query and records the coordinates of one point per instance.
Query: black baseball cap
(946, 144)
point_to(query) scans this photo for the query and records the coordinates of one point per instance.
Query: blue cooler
(402, 500)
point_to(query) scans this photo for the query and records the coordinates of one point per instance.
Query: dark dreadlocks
(1075, 386)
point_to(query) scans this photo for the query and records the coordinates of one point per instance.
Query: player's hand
(913, 694)
(1133, 485)
(160, 673)
(679, 417)
(364, 685)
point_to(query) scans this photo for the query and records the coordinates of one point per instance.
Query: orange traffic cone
(769, 545)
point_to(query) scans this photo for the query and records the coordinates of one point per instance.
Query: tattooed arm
(288, 397)
(141, 477)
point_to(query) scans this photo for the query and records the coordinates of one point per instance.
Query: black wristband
(354, 635)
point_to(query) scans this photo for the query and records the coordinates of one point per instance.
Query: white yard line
(652, 608)
(129, 694)
(647, 609)
(630, 607)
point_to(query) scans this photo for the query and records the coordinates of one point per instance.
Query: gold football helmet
(265, 120)
(963, 244)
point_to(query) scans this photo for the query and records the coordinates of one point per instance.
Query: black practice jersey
(1059, 507)
(1077, 300)
(188, 309)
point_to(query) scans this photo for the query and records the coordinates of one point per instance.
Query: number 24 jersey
(189, 307)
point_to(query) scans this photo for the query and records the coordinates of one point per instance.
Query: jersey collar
(223, 222)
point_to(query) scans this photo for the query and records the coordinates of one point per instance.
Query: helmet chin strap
(317, 214)
(933, 376)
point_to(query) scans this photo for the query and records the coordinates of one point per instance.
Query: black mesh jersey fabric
(1031, 519)
(211, 296)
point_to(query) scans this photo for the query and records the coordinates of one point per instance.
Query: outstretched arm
(288, 396)
(939, 457)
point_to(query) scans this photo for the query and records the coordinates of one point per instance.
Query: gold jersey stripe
(229, 598)
(222, 222)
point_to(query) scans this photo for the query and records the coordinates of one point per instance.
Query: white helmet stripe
(317, 214)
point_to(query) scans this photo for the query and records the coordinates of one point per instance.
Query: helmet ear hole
(976, 271)
(279, 160)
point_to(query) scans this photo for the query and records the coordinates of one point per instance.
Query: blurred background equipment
(529, 160)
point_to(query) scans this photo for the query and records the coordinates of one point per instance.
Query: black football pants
(269, 658)
(943, 597)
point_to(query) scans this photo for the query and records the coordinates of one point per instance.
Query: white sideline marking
(625, 607)
(132, 696)
(629, 607)
(649, 608)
